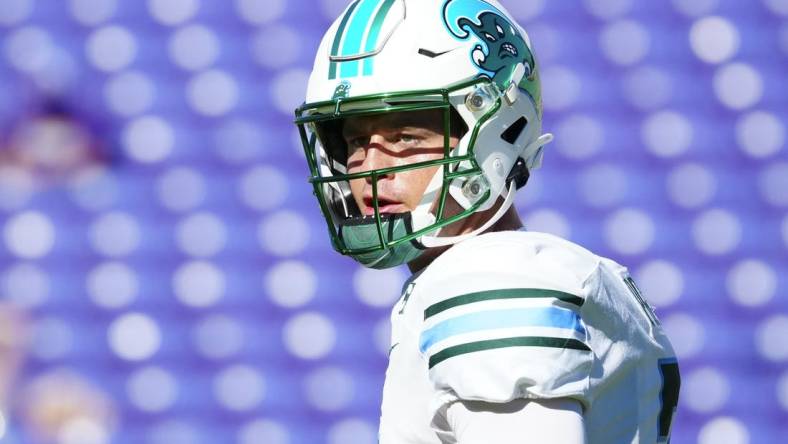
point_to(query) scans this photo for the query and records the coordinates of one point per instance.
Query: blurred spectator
(14, 335)
(63, 407)
(52, 146)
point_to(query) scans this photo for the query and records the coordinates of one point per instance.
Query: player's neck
(510, 221)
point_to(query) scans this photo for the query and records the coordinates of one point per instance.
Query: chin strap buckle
(519, 174)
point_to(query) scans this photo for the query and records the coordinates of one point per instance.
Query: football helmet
(467, 58)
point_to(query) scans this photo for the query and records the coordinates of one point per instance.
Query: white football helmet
(468, 58)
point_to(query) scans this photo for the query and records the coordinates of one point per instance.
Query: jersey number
(668, 396)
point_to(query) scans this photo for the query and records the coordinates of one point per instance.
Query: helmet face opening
(370, 238)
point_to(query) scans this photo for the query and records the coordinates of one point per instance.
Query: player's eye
(408, 138)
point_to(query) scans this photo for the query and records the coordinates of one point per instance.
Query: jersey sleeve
(503, 333)
(553, 421)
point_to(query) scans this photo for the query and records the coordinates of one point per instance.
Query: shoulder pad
(510, 325)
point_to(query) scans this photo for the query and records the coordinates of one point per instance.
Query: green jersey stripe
(527, 341)
(505, 293)
(355, 33)
(374, 34)
(332, 70)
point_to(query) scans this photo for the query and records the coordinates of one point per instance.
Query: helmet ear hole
(513, 132)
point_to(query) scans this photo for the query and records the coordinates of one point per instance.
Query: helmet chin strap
(435, 241)
(421, 215)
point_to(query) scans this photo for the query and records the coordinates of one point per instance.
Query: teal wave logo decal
(501, 46)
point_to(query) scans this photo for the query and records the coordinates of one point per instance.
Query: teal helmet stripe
(353, 28)
(352, 41)
(332, 70)
(374, 33)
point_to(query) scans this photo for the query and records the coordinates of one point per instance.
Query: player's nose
(378, 156)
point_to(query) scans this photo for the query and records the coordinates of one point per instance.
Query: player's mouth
(386, 206)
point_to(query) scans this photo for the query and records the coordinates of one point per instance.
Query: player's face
(390, 140)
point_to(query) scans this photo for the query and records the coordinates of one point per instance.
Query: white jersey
(521, 314)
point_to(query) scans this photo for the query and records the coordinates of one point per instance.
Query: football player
(422, 118)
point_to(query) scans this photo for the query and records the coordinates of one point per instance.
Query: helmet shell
(378, 46)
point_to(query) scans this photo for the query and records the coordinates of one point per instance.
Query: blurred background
(166, 277)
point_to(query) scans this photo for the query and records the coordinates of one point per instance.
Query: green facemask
(390, 240)
(362, 234)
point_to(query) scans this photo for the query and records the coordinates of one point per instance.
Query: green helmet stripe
(352, 41)
(374, 33)
(332, 70)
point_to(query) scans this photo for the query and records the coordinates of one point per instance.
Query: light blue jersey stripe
(554, 317)
(352, 44)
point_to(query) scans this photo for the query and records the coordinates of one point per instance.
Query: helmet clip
(475, 187)
(480, 99)
(512, 91)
